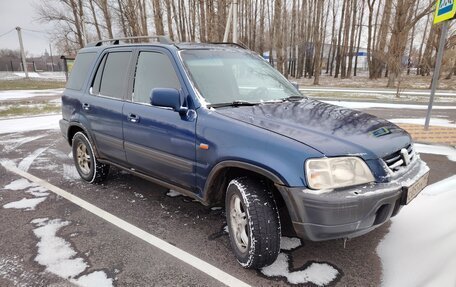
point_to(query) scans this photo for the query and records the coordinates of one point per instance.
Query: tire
(88, 167)
(253, 222)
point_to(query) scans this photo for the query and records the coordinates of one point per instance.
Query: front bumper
(348, 212)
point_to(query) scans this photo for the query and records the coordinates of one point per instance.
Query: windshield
(232, 76)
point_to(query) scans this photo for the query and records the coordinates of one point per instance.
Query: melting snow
(13, 143)
(27, 161)
(37, 191)
(173, 193)
(420, 248)
(70, 172)
(25, 203)
(59, 258)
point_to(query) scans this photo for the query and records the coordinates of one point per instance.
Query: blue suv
(219, 124)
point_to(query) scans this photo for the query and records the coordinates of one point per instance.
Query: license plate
(412, 191)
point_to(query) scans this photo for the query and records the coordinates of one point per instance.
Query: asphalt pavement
(119, 257)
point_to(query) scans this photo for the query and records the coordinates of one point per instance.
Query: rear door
(102, 107)
(158, 141)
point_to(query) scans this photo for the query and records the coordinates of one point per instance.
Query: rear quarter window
(80, 71)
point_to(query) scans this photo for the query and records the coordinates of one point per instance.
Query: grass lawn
(30, 84)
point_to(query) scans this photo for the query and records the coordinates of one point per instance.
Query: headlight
(328, 173)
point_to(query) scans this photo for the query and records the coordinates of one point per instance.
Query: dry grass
(30, 84)
(362, 81)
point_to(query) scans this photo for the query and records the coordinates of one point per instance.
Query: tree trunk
(278, 37)
(339, 52)
(318, 39)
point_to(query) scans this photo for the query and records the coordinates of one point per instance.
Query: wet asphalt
(130, 261)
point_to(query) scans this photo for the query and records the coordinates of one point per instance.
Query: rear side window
(80, 71)
(153, 70)
(111, 76)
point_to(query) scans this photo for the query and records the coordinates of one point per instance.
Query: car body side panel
(232, 140)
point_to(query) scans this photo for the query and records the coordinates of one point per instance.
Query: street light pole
(21, 45)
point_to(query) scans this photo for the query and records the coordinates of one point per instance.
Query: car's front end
(350, 211)
(353, 171)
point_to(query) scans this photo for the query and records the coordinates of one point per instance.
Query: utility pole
(52, 60)
(21, 45)
(235, 21)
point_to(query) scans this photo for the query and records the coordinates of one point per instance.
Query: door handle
(133, 118)
(86, 106)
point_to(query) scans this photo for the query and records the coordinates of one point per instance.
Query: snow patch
(27, 161)
(13, 143)
(19, 184)
(420, 121)
(59, 258)
(173, 193)
(97, 278)
(289, 243)
(37, 191)
(369, 105)
(420, 248)
(50, 122)
(25, 203)
(320, 274)
(70, 172)
(450, 152)
(216, 208)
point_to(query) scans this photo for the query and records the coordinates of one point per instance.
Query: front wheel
(88, 167)
(253, 222)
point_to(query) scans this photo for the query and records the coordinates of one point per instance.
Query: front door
(158, 141)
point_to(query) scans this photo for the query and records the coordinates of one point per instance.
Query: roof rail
(230, 44)
(160, 39)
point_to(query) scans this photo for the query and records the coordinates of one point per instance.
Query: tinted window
(97, 81)
(113, 80)
(80, 70)
(153, 70)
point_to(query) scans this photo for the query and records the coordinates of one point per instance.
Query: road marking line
(180, 254)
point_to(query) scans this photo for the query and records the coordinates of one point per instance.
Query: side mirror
(168, 98)
(296, 85)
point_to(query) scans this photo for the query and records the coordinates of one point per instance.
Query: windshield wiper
(293, 98)
(233, 104)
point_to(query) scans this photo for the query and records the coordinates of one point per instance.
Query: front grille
(398, 159)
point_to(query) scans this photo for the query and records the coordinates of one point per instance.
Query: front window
(224, 76)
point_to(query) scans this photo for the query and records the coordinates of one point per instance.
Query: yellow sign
(445, 10)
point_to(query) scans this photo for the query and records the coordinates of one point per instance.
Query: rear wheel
(88, 167)
(253, 222)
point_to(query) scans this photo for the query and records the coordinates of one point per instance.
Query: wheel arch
(223, 172)
(77, 127)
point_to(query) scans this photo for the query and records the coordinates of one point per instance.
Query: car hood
(330, 129)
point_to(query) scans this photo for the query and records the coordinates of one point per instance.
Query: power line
(7, 32)
(35, 31)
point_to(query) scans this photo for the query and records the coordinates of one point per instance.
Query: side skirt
(157, 181)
